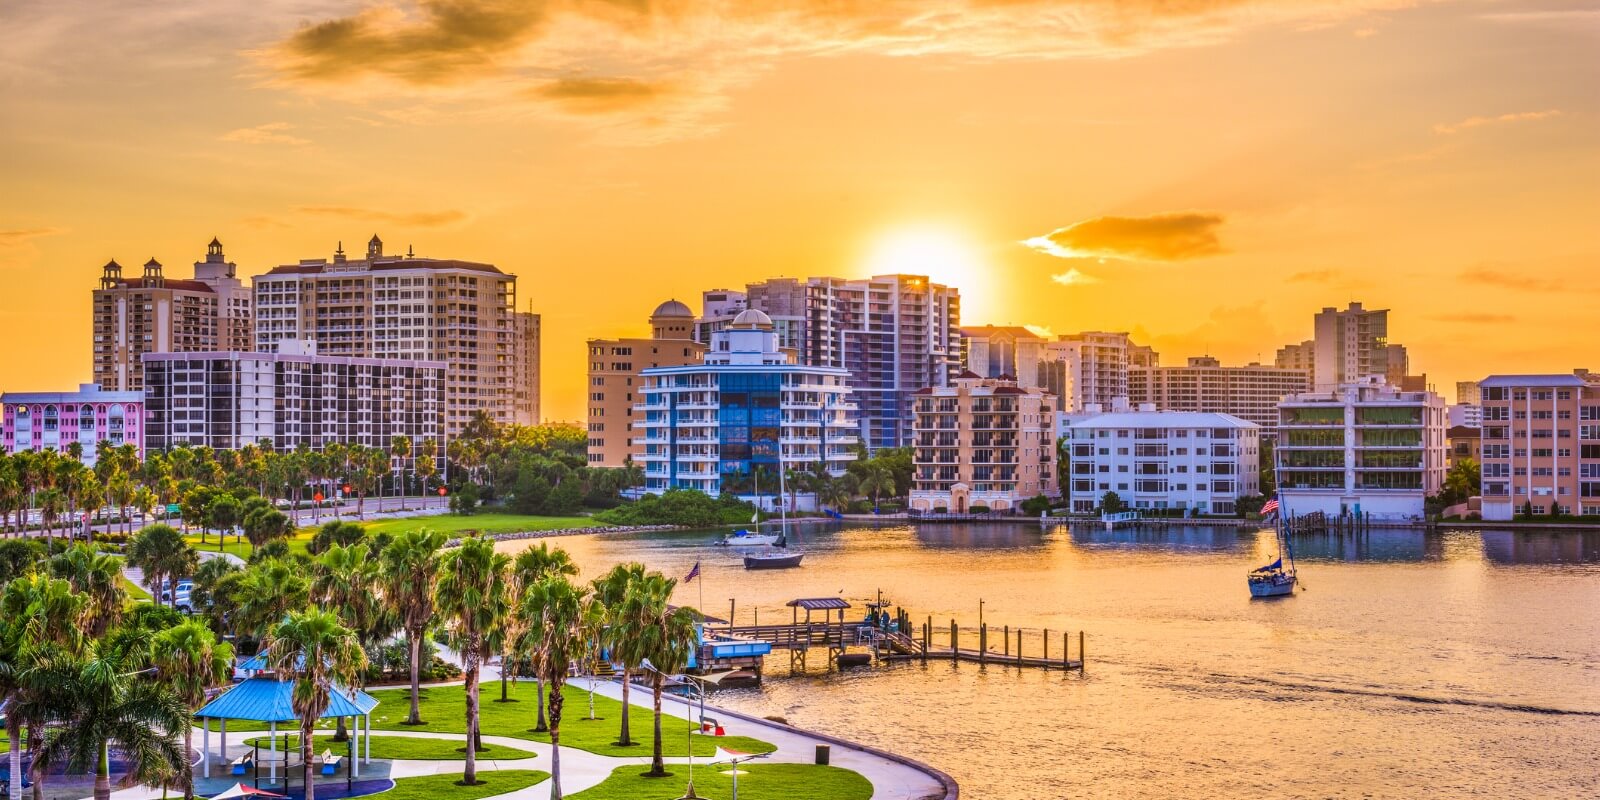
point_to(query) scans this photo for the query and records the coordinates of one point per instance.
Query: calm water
(1443, 665)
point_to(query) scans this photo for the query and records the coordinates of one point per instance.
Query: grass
(495, 522)
(443, 711)
(136, 593)
(242, 548)
(446, 787)
(391, 747)
(762, 782)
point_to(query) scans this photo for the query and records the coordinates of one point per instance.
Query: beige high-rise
(407, 307)
(156, 314)
(614, 382)
(983, 442)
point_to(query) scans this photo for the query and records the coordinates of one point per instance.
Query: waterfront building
(155, 314)
(40, 421)
(1465, 415)
(994, 351)
(1200, 462)
(983, 442)
(525, 368)
(1090, 368)
(1364, 447)
(1302, 356)
(1541, 445)
(784, 300)
(718, 307)
(1251, 392)
(742, 416)
(1465, 442)
(409, 308)
(1351, 344)
(615, 381)
(289, 398)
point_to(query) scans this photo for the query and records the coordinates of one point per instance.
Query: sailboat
(1275, 579)
(748, 538)
(779, 556)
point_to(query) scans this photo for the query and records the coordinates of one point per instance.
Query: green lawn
(445, 787)
(241, 547)
(443, 711)
(486, 523)
(389, 747)
(760, 782)
(135, 592)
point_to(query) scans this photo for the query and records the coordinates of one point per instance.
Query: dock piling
(1083, 660)
(1047, 645)
(955, 642)
(983, 643)
(1006, 642)
(1066, 650)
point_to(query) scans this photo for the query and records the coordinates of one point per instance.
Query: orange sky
(1206, 173)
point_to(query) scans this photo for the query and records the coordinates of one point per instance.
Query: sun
(942, 254)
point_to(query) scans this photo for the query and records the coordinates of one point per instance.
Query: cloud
(1469, 123)
(17, 236)
(674, 63)
(415, 219)
(1472, 318)
(1073, 277)
(1164, 237)
(270, 133)
(1504, 279)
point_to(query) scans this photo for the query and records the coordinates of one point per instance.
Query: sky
(1206, 174)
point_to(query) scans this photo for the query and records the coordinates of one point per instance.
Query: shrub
(1034, 506)
(687, 507)
(464, 500)
(978, 510)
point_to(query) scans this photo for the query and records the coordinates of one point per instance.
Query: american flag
(1269, 507)
(694, 572)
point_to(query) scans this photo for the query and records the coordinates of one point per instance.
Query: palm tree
(104, 697)
(163, 555)
(563, 614)
(99, 579)
(620, 634)
(39, 619)
(318, 651)
(190, 660)
(530, 567)
(409, 571)
(471, 597)
(399, 451)
(665, 640)
(263, 524)
(267, 592)
(875, 480)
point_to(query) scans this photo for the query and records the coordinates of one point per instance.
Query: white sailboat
(779, 556)
(749, 538)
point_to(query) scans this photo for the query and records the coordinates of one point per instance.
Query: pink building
(54, 420)
(1541, 445)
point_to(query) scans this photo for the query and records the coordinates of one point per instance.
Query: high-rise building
(738, 421)
(1302, 356)
(289, 398)
(615, 385)
(1352, 345)
(994, 351)
(1541, 445)
(405, 307)
(1250, 392)
(57, 420)
(1364, 447)
(525, 369)
(156, 314)
(1468, 393)
(895, 334)
(718, 307)
(1201, 462)
(1090, 368)
(983, 442)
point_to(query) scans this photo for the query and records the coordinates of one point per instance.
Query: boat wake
(1393, 694)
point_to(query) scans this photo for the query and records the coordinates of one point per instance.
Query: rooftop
(1164, 419)
(1495, 381)
(383, 263)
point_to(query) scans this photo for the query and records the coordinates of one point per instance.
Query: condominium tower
(616, 385)
(1090, 368)
(35, 421)
(1199, 462)
(1250, 392)
(993, 351)
(1541, 445)
(461, 313)
(983, 442)
(156, 314)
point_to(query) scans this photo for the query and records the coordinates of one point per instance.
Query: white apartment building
(1200, 462)
(290, 398)
(411, 308)
(1363, 447)
(737, 421)
(1250, 392)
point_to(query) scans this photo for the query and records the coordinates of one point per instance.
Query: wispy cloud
(416, 219)
(16, 236)
(1162, 237)
(1473, 318)
(1507, 279)
(1469, 123)
(1074, 277)
(270, 133)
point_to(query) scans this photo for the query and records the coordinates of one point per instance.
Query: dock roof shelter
(270, 699)
(819, 603)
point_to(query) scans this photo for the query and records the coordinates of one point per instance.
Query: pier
(884, 634)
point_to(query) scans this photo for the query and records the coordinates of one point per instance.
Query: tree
(471, 598)
(189, 660)
(104, 697)
(163, 555)
(266, 593)
(620, 632)
(1463, 481)
(875, 480)
(562, 614)
(222, 513)
(99, 579)
(319, 652)
(399, 451)
(39, 619)
(665, 639)
(1112, 503)
(531, 566)
(334, 532)
(409, 571)
(263, 524)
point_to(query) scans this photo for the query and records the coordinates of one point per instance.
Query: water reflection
(1371, 546)
(967, 536)
(1541, 547)
(1164, 538)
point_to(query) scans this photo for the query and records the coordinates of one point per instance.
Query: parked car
(181, 590)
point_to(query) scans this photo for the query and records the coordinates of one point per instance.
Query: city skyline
(1436, 161)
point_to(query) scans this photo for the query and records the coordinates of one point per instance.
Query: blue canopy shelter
(266, 698)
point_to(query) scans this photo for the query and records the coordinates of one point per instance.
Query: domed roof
(673, 308)
(752, 318)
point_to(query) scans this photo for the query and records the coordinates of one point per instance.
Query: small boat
(746, 538)
(773, 560)
(1272, 580)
